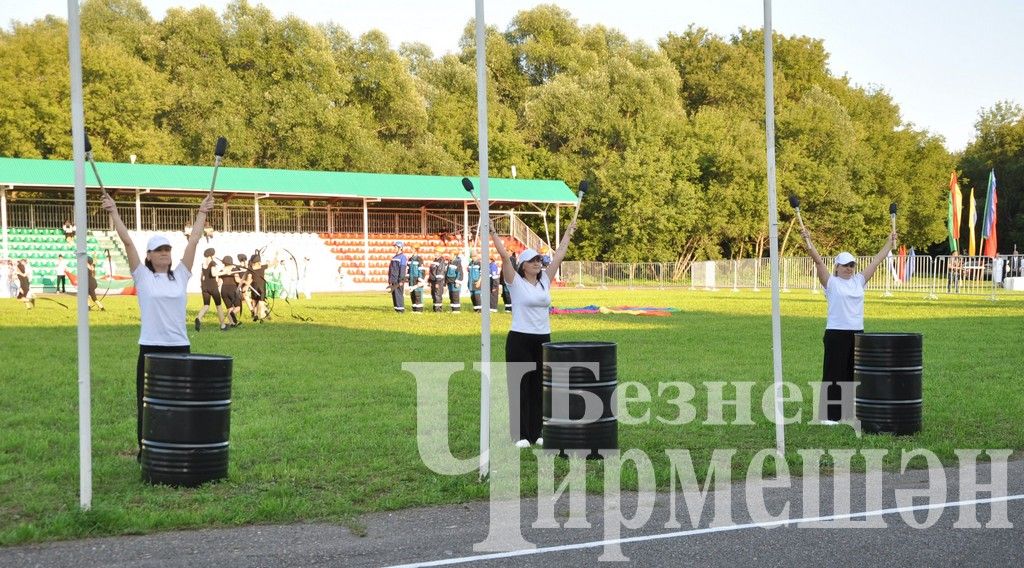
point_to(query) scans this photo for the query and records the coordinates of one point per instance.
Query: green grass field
(324, 420)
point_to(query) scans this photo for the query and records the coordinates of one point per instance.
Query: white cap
(845, 258)
(526, 255)
(157, 241)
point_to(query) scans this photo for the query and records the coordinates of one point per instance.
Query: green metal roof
(32, 173)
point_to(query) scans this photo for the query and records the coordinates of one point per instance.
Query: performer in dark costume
(229, 292)
(416, 278)
(244, 285)
(22, 271)
(437, 271)
(90, 264)
(258, 287)
(209, 285)
(396, 273)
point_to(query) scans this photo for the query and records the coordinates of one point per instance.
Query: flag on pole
(988, 226)
(972, 220)
(953, 244)
(958, 205)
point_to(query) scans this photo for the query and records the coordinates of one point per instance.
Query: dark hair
(149, 265)
(209, 252)
(228, 260)
(519, 270)
(241, 257)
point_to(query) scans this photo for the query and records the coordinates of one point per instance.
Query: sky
(942, 61)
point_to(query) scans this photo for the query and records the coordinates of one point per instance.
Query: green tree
(35, 115)
(999, 146)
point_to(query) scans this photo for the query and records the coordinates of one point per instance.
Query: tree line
(670, 137)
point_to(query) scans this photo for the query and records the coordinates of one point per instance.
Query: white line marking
(691, 532)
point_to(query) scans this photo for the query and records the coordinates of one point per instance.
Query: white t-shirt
(845, 302)
(61, 267)
(162, 305)
(530, 305)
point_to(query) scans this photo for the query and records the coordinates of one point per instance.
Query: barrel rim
(888, 334)
(175, 402)
(581, 385)
(156, 445)
(577, 344)
(189, 356)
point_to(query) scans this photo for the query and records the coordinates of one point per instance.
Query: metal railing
(523, 233)
(925, 275)
(241, 216)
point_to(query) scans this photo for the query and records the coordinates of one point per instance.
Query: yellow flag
(971, 220)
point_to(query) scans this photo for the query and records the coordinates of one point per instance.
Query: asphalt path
(449, 535)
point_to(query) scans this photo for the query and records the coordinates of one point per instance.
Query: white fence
(926, 275)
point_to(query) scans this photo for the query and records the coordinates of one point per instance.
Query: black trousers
(506, 297)
(61, 284)
(525, 395)
(416, 295)
(837, 367)
(474, 296)
(437, 294)
(140, 373)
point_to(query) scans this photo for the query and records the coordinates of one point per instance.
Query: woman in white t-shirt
(161, 293)
(530, 287)
(844, 292)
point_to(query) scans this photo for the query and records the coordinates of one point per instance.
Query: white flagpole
(81, 221)
(773, 226)
(484, 230)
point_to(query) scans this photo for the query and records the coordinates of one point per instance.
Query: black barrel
(186, 418)
(565, 429)
(888, 368)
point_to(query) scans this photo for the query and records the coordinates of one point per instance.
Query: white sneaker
(523, 443)
(830, 423)
(539, 442)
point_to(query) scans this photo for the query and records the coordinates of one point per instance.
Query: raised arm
(197, 232)
(870, 270)
(819, 264)
(122, 232)
(508, 272)
(556, 259)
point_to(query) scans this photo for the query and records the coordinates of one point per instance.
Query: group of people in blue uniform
(445, 273)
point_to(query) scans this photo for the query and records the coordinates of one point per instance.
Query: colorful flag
(953, 244)
(988, 226)
(958, 205)
(972, 220)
